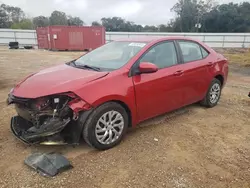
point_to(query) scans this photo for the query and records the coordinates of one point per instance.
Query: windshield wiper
(83, 66)
(71, 63)
(88, 67)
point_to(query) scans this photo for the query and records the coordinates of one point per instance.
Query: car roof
(149, 39)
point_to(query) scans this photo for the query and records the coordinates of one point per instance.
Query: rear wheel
(213, 94)
(106, 126)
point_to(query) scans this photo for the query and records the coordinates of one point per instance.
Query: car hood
(58, 79)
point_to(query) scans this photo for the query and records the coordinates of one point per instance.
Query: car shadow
(72, 151)
(164, 118)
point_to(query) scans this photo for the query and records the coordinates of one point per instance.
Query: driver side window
(162, 55)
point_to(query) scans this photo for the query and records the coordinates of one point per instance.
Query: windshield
(110, 56)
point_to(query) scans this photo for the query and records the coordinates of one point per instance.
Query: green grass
(242, 58)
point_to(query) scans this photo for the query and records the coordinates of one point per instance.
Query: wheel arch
(220, 77)
(129, 108)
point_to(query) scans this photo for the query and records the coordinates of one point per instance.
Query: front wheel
(213, 94)
(106, 126)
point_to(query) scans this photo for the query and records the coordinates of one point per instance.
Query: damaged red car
(100, 95)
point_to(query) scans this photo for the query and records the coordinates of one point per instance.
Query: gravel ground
(191, 147)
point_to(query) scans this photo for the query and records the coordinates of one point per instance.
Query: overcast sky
(140, 11)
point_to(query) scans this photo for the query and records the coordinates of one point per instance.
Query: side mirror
(146, 67)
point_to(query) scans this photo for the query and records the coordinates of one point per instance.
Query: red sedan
(99, 95)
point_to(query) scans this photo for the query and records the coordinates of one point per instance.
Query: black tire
(206, 101)
(90, 125)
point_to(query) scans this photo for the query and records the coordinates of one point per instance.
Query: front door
(159, 92)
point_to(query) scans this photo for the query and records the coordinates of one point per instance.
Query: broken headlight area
(46, 120)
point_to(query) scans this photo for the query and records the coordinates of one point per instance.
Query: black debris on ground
(49, 164)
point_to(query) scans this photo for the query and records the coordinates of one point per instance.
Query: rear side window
(192, 51)
(204, 52)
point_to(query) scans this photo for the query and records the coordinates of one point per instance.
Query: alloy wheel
(109, 127)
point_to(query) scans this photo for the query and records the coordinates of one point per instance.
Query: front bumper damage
(59, 125)
(29, 134)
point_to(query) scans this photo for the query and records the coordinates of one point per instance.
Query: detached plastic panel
(48, 164)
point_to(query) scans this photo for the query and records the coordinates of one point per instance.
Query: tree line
(15, 18)
(191, 16)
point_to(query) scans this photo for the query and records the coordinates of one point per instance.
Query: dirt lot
(196, 147)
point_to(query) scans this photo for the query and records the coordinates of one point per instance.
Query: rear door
(196, 78)
(162, 91)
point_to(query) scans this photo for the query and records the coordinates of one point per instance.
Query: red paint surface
(78, 105)
(146, 95)
(70, 37)
(146, 67)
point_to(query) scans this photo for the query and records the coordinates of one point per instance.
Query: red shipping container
(70, 37)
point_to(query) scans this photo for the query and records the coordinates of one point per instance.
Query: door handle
(179, 73)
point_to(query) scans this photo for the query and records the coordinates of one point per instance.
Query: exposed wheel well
(127, 110)
(220, 78)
